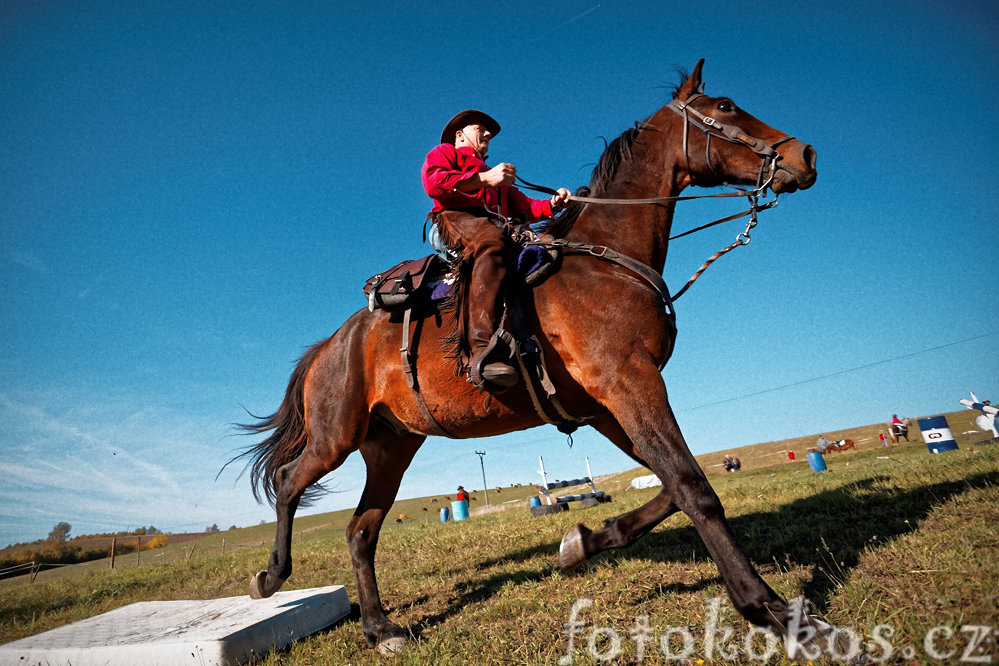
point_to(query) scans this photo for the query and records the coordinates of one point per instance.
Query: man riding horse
(472, 203)
(348, 394)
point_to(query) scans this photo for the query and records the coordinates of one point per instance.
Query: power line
(840, 372)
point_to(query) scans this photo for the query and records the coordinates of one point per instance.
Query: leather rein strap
(602, 252)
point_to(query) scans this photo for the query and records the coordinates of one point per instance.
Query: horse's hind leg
(290, 482)
(387, 457)
(580, 544)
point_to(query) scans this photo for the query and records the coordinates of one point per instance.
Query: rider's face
(477, 137)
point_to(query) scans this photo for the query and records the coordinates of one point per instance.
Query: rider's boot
(487, 365)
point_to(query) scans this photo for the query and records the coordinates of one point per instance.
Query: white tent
(650, 481)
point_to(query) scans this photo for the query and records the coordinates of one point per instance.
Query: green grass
(886, 536)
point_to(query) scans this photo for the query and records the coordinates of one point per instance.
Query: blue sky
(192, 193)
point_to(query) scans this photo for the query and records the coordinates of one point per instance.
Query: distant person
(884, 440)
(899, 428)
(462, 495)
(790, 455)
(822, 444)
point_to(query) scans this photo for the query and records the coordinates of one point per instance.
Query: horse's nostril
(809, 156)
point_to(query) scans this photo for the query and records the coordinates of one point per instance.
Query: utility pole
(485, 491)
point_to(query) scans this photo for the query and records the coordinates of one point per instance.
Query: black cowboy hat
(466, 118)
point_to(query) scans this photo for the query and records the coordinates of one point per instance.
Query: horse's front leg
(580, 544)
(642, 409)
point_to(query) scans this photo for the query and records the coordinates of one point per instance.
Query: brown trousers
(479, 241)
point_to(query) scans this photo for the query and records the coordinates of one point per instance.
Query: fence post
(34, 570)
(223, 546)
(113, 541)
(191, 552)
(138, 548)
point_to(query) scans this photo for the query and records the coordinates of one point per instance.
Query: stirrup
(494, 376)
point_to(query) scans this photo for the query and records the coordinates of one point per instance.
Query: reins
(711, 128)
(742, 239)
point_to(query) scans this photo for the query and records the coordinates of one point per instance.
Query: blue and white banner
(937, 434)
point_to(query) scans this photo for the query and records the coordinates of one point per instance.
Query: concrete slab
(215, 632)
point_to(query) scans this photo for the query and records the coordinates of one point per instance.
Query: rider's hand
(501, 174)
(560, 199)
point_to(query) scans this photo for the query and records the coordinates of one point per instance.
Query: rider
(471, 201)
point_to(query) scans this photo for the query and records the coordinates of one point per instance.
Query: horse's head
(724, 144)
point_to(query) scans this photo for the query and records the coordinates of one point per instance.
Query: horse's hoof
(258, 586)
(391, 646)
(809, 638)
(571, 553)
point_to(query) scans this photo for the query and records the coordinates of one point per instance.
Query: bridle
(712, 127)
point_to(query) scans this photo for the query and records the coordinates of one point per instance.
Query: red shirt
(446, 166)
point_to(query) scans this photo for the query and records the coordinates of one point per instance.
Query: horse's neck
(639, 231)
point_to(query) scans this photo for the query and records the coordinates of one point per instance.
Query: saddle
(423, 285)
(409, 283)
(417, 282)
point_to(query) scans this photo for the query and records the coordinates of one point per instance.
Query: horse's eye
(725, 106)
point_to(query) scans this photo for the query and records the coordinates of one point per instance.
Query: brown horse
(841, 445)
(605, 334)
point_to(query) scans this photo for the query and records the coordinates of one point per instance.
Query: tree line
(59, 548)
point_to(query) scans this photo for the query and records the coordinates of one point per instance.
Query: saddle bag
(394, 289)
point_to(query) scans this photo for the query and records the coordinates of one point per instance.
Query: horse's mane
(615, 154)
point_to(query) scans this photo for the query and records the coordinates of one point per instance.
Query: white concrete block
(168, 633)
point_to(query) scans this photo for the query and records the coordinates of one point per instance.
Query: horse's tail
(287, 441)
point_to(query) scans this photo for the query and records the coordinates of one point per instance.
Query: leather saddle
(408, 284)
(412, 287)
(415, 282)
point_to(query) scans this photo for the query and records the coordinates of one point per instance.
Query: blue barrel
(816, 461)
(460, 509)
(535, 501)
(445, 514)
(937, 434)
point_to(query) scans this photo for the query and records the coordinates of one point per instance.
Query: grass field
(896, 544)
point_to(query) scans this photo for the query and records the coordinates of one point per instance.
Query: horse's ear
(693, 84)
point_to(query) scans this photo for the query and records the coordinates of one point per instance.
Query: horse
(896, 430)
(841, 445)
(604, 332)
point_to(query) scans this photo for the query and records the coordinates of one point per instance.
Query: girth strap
(565, 422)
(644, 271)
(409, 367)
